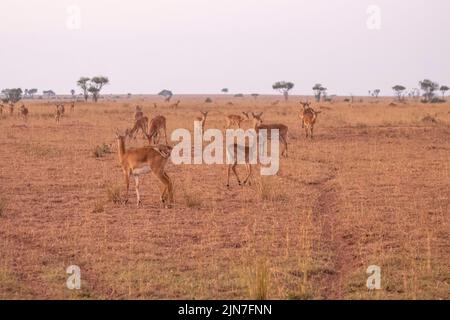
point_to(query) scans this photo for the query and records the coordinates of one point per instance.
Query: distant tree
(83, 83)
(167, 94)
(428, 87)
(96, 85)
(49, 93)
(32, 92)
(444, 89)
(72, 92)
(376, 93)
(255, 95)
(319, 90)
(283, 87)
(238, 95)
(224, 90)
(398, 91)
(13, 95)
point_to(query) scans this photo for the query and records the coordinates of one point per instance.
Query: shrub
(113, 194)
(100, 151)
(437, 100)
(98, 207)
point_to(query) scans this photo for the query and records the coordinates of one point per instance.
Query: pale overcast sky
(201, 46)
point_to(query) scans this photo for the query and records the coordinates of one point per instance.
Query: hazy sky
(201, 46)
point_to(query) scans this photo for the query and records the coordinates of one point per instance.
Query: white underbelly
(141, 170)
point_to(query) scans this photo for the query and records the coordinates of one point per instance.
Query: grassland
(372, 188)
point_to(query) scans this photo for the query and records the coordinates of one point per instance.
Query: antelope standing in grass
(202, 119)
(138, 113)
(24, 112)
(139, 161)
(140, 124)
(234, 119)
(308, 117)
(232, 153)
(175, 105)
(72, 106)
(282, 130)
(156, 125)
(59, 112)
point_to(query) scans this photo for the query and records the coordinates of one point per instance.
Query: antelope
(59, 112)
(155, 105)
(138, 113)
(139, 161)
(1, 109)
(174, 105)
(305, 106)
(156, 125)
(139, 124)
(275, 102)
(236, 119)
(72, 106)
(233, 150)
(282, 129)
(308, 118)
(202, 119)
(24, 111)
(61, 108)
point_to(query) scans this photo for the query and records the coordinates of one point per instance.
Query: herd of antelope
(23, 111)
(136, 162)
(154, 157)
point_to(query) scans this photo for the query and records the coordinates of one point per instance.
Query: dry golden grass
(372, 188)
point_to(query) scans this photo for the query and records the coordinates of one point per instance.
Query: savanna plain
(371, 188)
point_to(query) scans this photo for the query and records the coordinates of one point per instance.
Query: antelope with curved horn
(155, 126)
(282, 129)
(136, 162)
(234, 119)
